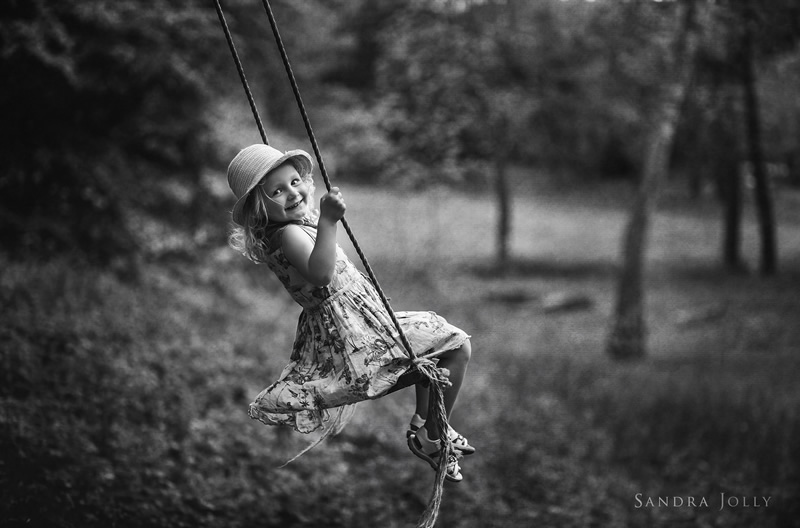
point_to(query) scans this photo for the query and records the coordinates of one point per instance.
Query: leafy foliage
(104, 103)
(557, 84)
(106, 115)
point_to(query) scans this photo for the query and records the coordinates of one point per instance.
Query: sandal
(459, 441)
(453, 470)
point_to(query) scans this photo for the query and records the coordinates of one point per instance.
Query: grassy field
(124, 400)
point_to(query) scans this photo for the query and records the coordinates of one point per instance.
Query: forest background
(500, 159)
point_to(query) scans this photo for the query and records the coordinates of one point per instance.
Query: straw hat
(251, 164)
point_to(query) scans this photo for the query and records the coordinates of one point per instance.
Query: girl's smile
(300, 202)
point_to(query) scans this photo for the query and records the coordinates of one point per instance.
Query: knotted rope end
(437, 412)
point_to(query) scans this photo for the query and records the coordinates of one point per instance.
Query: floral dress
(346, 349)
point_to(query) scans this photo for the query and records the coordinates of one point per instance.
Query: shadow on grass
(544, 268)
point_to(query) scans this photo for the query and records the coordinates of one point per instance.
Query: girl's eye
(276, 192)
(296, 181)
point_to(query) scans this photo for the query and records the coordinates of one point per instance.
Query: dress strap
(274, 232)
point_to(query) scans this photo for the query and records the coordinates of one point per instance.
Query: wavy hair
(253, 238)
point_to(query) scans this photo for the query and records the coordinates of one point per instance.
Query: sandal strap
(452, 468)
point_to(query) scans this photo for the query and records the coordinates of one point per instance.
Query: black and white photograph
(400, 263)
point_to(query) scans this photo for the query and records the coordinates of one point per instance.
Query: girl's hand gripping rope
(332, 206)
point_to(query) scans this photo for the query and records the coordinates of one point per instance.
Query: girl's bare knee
(458, 355)
(465, 352)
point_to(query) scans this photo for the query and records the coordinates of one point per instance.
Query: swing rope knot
(428, 368)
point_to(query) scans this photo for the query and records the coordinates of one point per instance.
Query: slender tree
(763, 195)
(627, 338)
(728, 177)
(503, 204)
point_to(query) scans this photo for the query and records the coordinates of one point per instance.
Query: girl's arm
(316, 261)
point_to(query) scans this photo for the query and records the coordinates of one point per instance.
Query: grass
(124, 401)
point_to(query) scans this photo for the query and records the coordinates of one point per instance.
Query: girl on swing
(346, 348)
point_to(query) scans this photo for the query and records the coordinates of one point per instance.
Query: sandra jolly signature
(676, 501)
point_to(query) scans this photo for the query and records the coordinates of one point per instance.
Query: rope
(312, 138)
(240, 69)
(426, 366)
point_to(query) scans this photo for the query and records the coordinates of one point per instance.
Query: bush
(103, 102)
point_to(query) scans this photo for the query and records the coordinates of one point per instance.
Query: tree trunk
(502, 139)
(726, 174)
(763, 195)
(732, 216)
(503, 211)
(627, 339)
(628, 334)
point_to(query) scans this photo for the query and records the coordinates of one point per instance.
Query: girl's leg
(456, 361)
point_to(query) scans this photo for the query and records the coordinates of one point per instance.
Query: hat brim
(301, 156)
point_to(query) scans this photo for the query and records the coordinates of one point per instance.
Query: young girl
(347, 348)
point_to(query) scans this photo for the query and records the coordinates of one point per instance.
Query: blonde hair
(252, 239)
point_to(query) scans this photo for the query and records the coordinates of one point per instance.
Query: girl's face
(288, 194)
